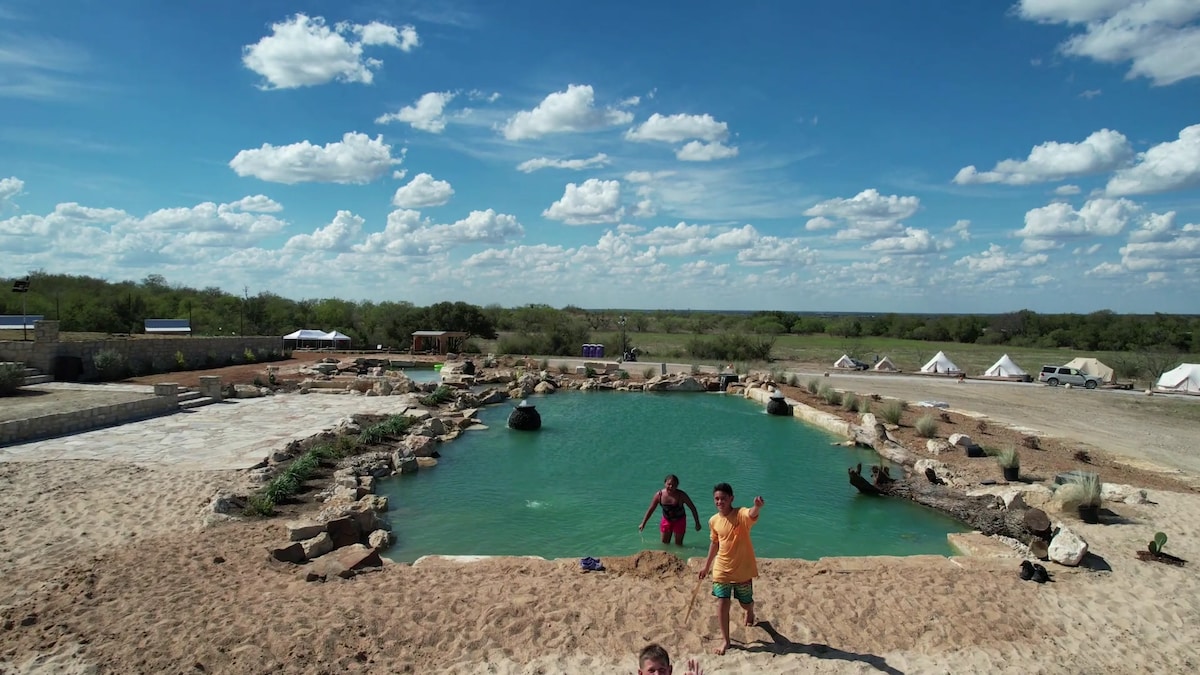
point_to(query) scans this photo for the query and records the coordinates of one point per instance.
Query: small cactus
(1160, 540)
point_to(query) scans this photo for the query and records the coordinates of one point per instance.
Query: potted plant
(1089, 495)
(1010, 464)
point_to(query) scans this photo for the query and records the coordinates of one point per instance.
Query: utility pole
(624, 349)
(22, 286)
(242, 310)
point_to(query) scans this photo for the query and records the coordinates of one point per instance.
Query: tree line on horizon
(88, 304)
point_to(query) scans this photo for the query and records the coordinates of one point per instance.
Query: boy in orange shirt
(731, 558)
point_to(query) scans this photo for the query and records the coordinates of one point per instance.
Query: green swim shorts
(743, 592)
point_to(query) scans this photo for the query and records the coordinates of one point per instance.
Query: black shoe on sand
(1040, 574)
(1026, 570)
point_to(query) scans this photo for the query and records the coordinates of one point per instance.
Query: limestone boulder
(937, 446)
(317, 546)
(299, 530)
(419, 446)
(1126, 494)
(426, 462)
(379, 539)
(544, 388)
(290, 553)
(1067, 547)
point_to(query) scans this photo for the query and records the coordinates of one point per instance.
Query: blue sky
(854, 156)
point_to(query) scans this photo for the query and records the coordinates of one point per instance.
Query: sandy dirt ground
(116, 568)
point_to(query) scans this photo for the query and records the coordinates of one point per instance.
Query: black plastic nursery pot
(975, 451)
(1089, 513)
(1011, 474)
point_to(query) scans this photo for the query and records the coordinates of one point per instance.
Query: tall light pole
(22, 286)
(624, 350)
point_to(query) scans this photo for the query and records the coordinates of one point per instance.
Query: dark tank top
(672, 511)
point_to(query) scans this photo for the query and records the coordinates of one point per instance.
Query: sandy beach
(117, 566)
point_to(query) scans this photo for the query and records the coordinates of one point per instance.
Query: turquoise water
(580, 485)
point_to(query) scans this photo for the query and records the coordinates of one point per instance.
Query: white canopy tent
(885, 365)
(844, 362)
(1184, 379)
(1093, 367)
(940, 363)
(1005, 367)
(307, 337)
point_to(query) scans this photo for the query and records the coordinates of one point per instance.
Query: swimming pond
(580, 485)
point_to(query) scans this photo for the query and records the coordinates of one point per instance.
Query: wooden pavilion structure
(437, 341)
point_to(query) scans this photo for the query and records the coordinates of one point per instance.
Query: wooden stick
(688, 615)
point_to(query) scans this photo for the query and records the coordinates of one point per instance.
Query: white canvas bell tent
(1004, 367)
(844, 362)
(885, 365)
(940, 363)
(1184, 379)
(1093, 367)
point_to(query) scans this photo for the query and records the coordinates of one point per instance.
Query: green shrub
(544, 364)
(248, 355)
(695, 369)
(850, 401)
(180, 361)
(589, 372)
(927, 426)
(864, 405)
(647, 373)
(892, 411)
(622, 375)
(564, 368)
(730, 347)
(814, 385)
(12, 376)
(260, 505)
(110, 364)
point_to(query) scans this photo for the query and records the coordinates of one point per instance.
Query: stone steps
(192, 399)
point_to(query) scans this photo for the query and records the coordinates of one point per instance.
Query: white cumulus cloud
(696, 151)
(1159, 38)
(867, 215)
(338, 235)
(303, 51)
(407, 234)
(1173, 165)
(1097, 217)
(357, 158)
(423, 190)
(678, 128)
(531, 165)
(1104, 150)
(427, 114)
(595, 201)
(572, 110)
(10, 187)
(913, 241)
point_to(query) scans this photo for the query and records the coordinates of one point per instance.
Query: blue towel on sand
(591, 565)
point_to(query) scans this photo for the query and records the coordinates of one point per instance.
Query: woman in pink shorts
(674, 518)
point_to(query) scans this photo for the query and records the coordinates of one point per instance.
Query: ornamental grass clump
(830, 395)
(813, 386)
(850, 401)
(1008, 458)
(927, 426)
(892, 411)
(864, 405)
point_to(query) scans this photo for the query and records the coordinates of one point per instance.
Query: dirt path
(1159, 429)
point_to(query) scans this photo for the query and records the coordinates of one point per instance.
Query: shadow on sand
(779, 644)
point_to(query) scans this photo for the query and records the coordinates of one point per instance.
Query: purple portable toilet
(599, 351)
(586, 349)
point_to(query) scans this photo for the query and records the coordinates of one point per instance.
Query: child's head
(654, 660)
(723, 497)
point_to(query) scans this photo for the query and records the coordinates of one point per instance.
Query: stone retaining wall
(60, 424)
(143, 354)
